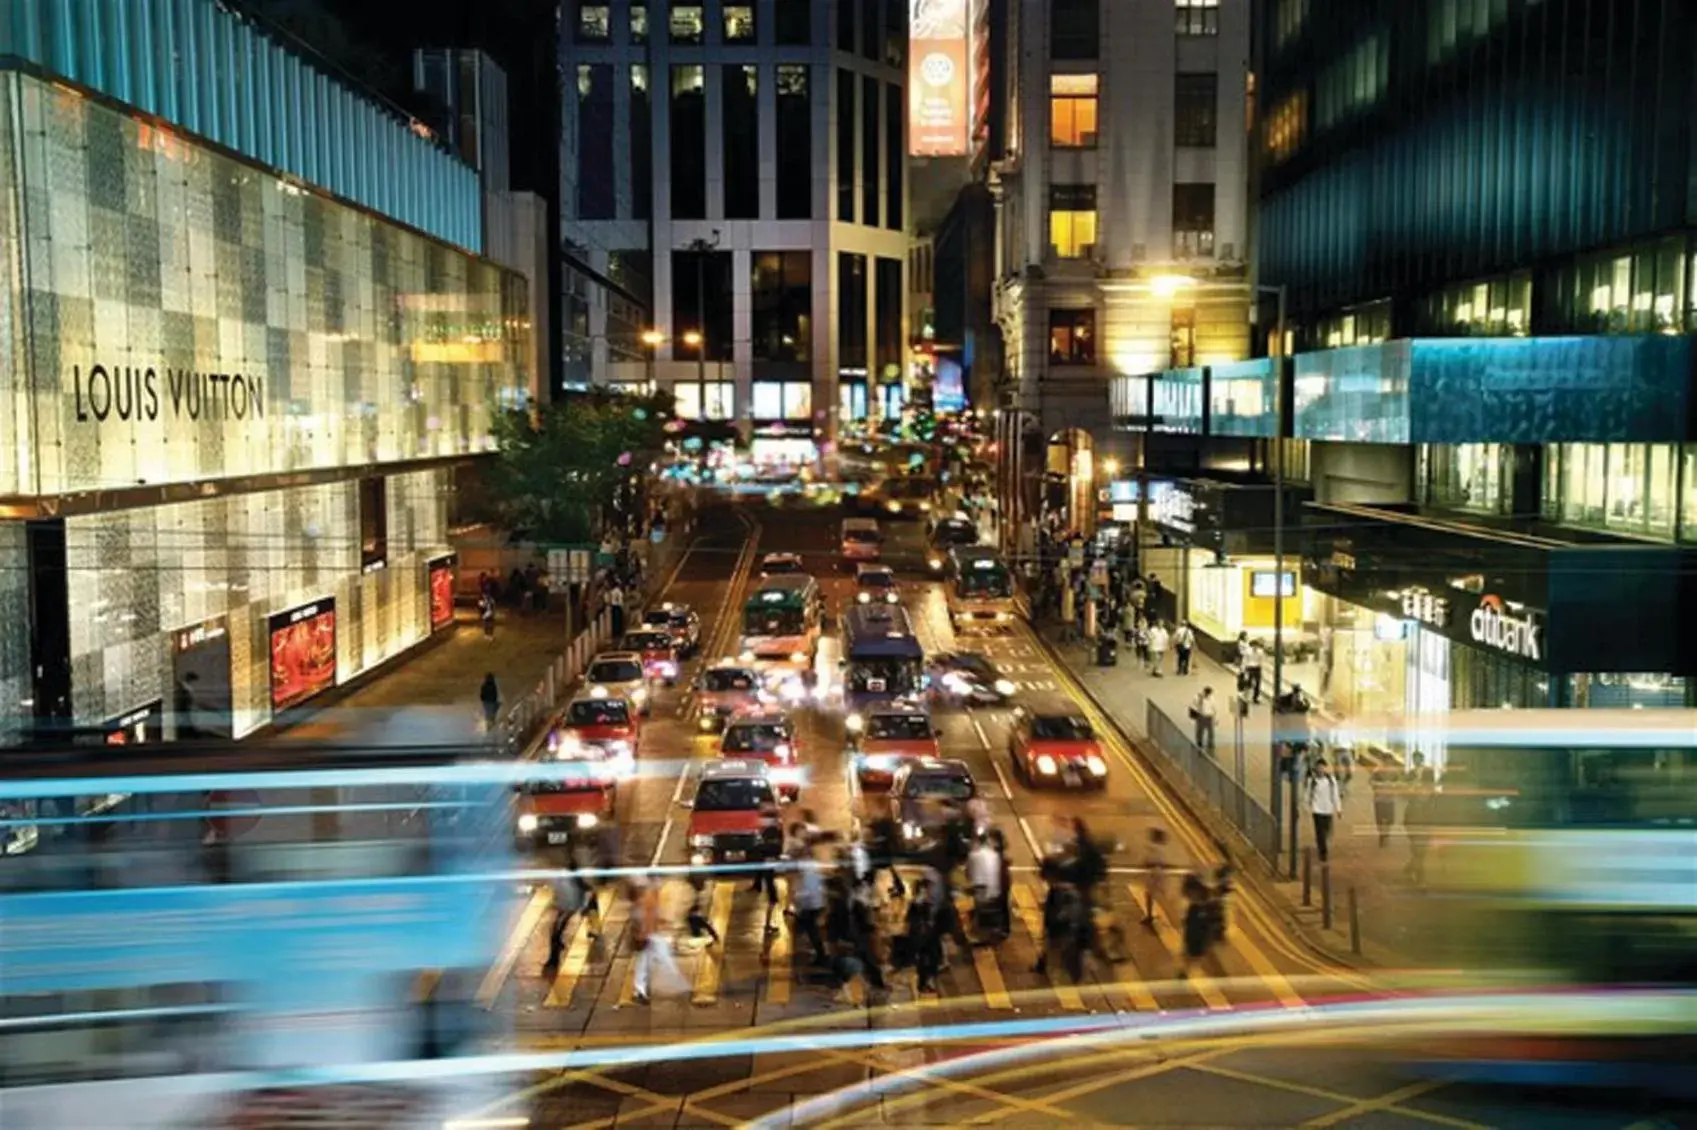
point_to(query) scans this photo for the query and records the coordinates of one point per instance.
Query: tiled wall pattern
(357, 341)
(137, 575)
(14, 405)
(14, 630)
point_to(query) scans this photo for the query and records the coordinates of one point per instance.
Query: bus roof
(978, 557)
(787, 582)
(786, 591)
(874, 631)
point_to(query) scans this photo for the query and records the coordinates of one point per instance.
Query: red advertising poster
(441, 578)
(303, 652)
(938, 80)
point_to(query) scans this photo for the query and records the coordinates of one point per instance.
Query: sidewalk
(1375, 873)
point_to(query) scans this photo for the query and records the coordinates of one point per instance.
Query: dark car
(920, 798)
(968, 678)
(679, 619)
(946, 534)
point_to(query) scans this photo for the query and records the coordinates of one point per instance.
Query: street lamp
(702, 247)
(1167, 286)
(652, 339)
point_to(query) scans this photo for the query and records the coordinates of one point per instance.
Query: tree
(559, 470)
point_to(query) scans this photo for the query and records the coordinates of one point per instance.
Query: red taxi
(1052, 743)
(886, 736)
(734, 816)
(724, 689)
(659, 651)
(566, 812)
(606, 724)
(768, 737)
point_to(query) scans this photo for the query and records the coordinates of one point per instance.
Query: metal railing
(1212, 780)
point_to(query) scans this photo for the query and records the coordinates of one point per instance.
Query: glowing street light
(692, 337)
(653, 339)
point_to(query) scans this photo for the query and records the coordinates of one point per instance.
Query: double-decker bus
(264, 916)
(980, 589)
(1559, 848)
(881, 659)
(781, 624)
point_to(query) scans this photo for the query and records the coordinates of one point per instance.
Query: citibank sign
(1512, 631)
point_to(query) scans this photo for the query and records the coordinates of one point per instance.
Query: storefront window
(1640, 289)
(782, 400)
(1465, 476)
(714, 400)
(1630, 487)
(1499, 307)
(1612, 691)
(1237, 596)
(1360, 325)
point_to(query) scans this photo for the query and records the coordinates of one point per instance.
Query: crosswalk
(760, 963)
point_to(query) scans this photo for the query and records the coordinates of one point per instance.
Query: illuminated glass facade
(201, 66)
(213, 385)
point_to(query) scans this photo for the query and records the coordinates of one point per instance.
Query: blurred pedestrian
(1203, 716)
(489, 695)
(1253, 659)
(1184, 641)
(1325, 803)
(1417, 826)
(1201, 925)
(616, 609)
(698, 921)
(1384, 781)
(1158, 640)
(923, 943)
(486, 614)
(571, 896)
(808, 894)
(654, 960)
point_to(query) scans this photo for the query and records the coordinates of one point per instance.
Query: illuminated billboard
(441, 577)
(303, 652)
(938, 81)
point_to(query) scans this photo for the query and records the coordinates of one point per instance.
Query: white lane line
(1007, 793)
(660, 848)
(683, 776)
(983, 738)
(1030, 837)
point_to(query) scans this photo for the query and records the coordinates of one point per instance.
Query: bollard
(1307, 877)
(1354, 923)
(1325, 895)
(1149, 902)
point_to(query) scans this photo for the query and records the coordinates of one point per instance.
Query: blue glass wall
(1242, 398)
(1358, 394)
(1176, 401)
(200, 66)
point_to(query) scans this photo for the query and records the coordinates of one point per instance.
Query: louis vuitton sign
(102, 393)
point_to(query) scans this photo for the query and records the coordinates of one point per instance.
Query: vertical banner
(303, 652)
(441, 574)
(938, 79)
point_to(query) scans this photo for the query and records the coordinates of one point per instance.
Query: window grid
(1197, 17)
(1073, 111)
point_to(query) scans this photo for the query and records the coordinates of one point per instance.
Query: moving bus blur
(980, 589)
(881, 658)
(781, 624)
(872, 460)
(266, 918)
(1559, 847)
(901, 496)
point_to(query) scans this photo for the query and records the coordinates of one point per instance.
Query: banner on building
(303, 652)
(938, 82)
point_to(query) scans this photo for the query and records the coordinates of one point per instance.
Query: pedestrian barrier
(1217, 787)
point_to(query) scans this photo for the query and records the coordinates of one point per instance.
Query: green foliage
(556, 472)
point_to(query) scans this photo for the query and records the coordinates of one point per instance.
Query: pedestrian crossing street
(762, 968)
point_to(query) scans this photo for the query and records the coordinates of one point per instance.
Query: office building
(1480, 216)
(745, 163)
(247, 337)
(1123, 161)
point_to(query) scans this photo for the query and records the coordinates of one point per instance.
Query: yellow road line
(711, 969)
(984, 960)
(1160, 1067)
(1265, 969)
(1386, 1102)
(1174, 943)
(571, 967)
(540, 900)
(778, 953)
(1338, 1097)
(1026, 907)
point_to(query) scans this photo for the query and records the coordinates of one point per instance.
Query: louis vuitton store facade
(230, 411)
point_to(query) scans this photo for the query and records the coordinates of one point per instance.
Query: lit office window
(739, 23)
(639, 23)
(1072, 111)
(1287, 126)
(1630, 487)
(705, 400)
(688, 24)
(782, 400)
(594, 23)
(1466, 476)
(1072, 220)
(1197, 17)
(1291, 16)
(1072, 337)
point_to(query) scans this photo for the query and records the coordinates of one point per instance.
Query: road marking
(778, 952)
(1007, 793)
(1173, 942)
(1383, 1102)
(540, 900)
(1030, 837)
(1032, 916)
(572, 966)
(984, 960)
(983, 738)
(660, 848)
(709, 972)
(1265, 969)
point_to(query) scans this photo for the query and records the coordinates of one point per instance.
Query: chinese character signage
(938, 78)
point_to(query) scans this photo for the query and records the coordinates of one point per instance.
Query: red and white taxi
(659, 651)
(597, 725)
(888, 735)
(567, 811)
(723, 690)
(1052, 743)
(734, 816)
(767, 736)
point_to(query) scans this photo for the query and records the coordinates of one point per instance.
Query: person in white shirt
(1184, 640)
(1253, 657)
(1325, 803)
(1202, 713)
(983, 871)
(1158, 640)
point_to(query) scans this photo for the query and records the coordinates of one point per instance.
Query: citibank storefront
(1418, 617)
(229, 411)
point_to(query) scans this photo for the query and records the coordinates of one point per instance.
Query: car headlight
(798, 657)
(669, 669)
(925, 507)
(1046, 765)
(527, 823)
(701, 841)
(882, 762)
(571, 746)
(708, 720)
(1005, 686)
(936, 562)
(1096, 765)
(639, 695)
(893, 506)
(598, 691)
(890, 598)
(854, 723)
(910, 830)
(863, 597)
(587, 820)
(783, 751)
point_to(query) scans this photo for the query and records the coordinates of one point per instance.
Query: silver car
(619, 674)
